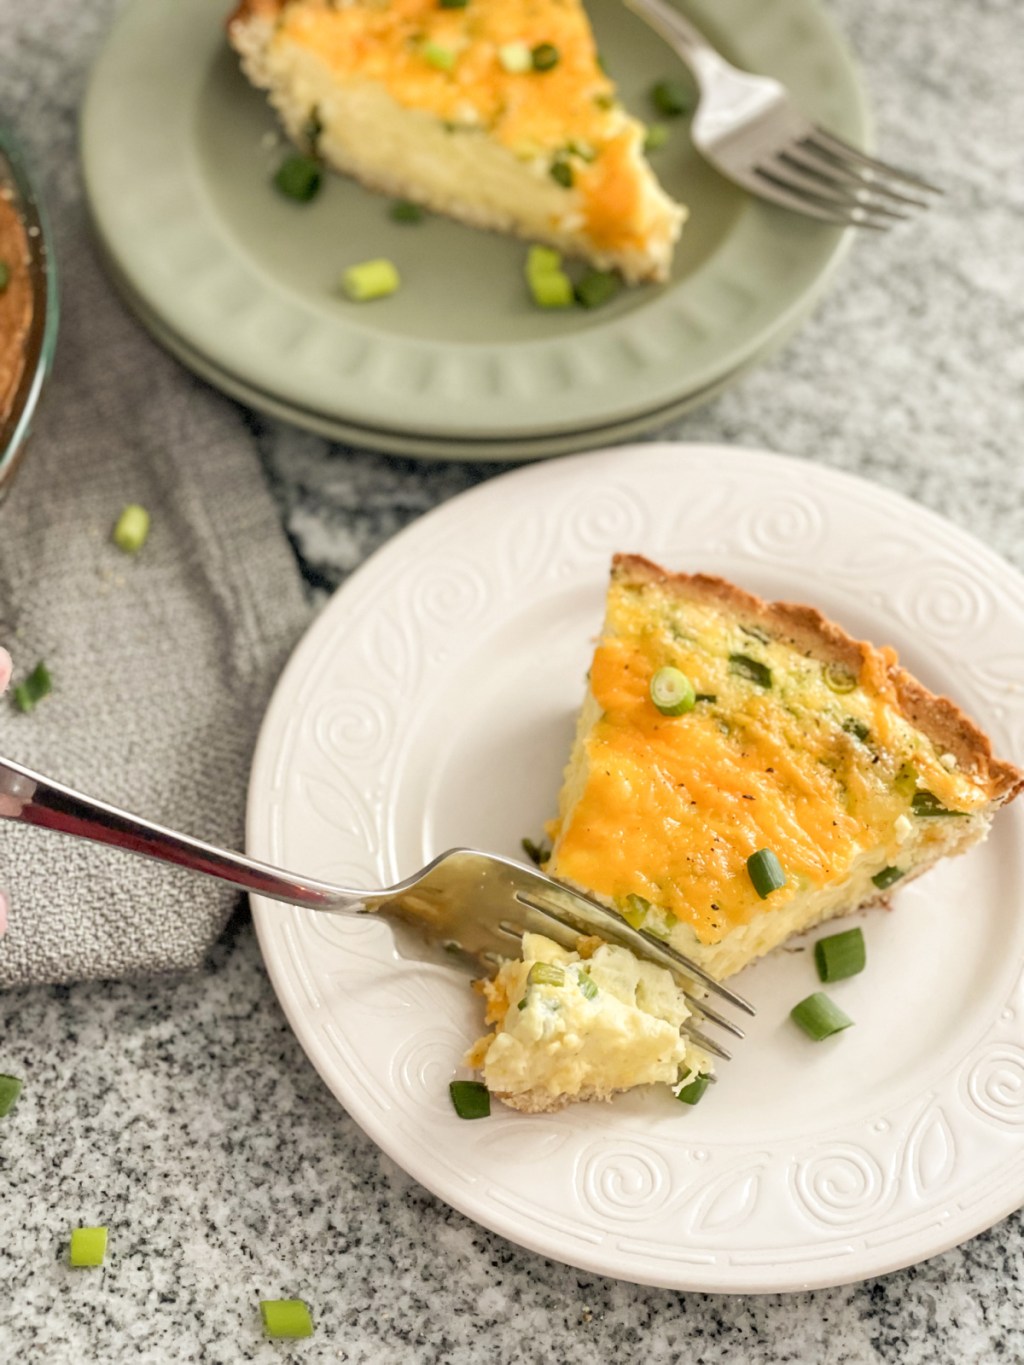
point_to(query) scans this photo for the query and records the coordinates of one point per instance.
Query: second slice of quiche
(803, 773)
(496, 112)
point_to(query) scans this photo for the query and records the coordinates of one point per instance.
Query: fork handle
(704, 61)
(28, 798)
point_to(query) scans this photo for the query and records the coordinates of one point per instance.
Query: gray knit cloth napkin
(162, 663)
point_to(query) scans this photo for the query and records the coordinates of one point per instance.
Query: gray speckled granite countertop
(183, 1113)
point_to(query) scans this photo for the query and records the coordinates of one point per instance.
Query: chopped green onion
(656, 137)
(887, 877)
(5, 276)
(597, 287)
(88, 1246)
(132, 529)
(634, 912)
(370, 280)
(10, 1089)
(838, 678)
(670, 98)
(561, 172)
(765, 872)
(587, 985)
(453, 4)
(404, 211)
(672, 691)
(927, 803)
(840, 955)
(691, 1093)
(705, 696)
(819, 1017)
(743, 666)
(36, 686)
(286, 1318)
(546, 974)
(515, 58)
(545, 56)
(439, 57)
(542, 260)
(856, 727)
(472, 1100)
(522, 1003)
(605, 101)
(552, 291)
(537, 853)
(298, 178)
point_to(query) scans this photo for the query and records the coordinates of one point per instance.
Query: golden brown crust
(537, 1102)
(805, 627)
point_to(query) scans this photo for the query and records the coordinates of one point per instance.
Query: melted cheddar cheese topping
(670, 808)
(566, 114)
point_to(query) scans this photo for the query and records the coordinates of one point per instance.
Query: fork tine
(684, 964)
(708, 1044)
(846, 179)
(704, 1010)
(844, 152)
(828, 196)
(621, 932)
(795, 195)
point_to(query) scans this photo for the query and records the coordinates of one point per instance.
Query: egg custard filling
(581, 1026)
(791, 749)
(496, 112)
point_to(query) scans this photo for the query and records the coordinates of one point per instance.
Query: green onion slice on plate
(670, 98)
(370, 280)
(819, 1017)
(840, 955)
(470, 1099)
(298, 178)
(692, 1092)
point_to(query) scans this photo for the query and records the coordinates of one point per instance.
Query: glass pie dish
(28, 305)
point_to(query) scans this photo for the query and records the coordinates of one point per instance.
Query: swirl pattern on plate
(825, 1171)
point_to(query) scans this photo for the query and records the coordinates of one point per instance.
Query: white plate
(432, 704)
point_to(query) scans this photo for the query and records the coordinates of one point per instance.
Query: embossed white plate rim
(941, 588)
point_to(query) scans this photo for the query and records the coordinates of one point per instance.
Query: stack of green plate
(241, 284)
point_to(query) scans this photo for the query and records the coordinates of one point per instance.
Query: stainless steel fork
(749, 129)
(465, 908)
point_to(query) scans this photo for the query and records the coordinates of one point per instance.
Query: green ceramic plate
(178, 152)
(434, 447)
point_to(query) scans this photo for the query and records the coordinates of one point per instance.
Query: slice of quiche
(744, 770)
(496, 112)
